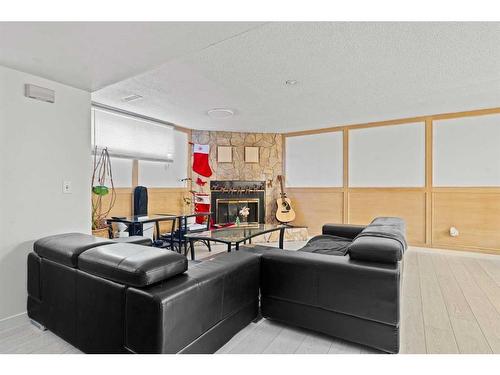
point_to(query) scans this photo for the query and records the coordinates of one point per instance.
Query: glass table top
(237, 233)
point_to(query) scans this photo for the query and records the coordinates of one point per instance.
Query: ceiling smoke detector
(131, 98)
(220, 113)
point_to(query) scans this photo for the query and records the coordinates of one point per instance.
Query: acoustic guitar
(285, 212)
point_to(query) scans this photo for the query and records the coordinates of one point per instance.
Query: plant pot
(104, 233)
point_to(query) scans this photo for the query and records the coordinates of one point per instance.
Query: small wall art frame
(224, 154)
(251, 154)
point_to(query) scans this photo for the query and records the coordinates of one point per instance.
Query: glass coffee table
(234, 236)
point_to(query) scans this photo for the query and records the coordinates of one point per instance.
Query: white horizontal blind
(132, 137)
(122, 172)
(314, 160)
(157, 174)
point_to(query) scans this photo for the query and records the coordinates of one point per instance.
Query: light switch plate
(67, 187)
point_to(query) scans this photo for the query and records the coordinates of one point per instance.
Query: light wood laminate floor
(450, 304)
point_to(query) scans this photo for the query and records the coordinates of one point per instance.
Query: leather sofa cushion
(376, 249)
(327, 244)
(343, 230)
(139, 240)
(132, 264)
(383, 240)
(65, 248)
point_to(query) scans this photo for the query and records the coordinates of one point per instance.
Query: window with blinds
(131, 137)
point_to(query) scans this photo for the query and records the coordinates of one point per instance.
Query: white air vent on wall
(39, 93)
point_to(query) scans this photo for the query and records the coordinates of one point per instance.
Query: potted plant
(102, 187)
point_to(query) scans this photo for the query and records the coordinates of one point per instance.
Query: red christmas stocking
(200, 160)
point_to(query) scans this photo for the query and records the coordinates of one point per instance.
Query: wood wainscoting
(429, 211)
(317, 206)
(474, 211)
(365, 204)
(160, 200)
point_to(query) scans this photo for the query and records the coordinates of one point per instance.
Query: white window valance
(126, 136)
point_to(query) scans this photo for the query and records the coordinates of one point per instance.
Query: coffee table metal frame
(206, 236)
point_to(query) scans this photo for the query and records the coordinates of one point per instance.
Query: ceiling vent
(131, 98)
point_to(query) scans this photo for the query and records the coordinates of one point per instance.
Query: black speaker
(140, 209)
(140, 201)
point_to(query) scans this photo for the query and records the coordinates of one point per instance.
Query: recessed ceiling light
(131, 98)
(291, 82)
(220, 113)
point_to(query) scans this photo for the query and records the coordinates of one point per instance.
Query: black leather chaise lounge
(347, 287)
(108, 297)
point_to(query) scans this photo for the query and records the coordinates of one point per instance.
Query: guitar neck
(283, 195)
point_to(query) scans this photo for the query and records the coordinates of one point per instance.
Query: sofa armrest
(334, 283)
(343, 230)
(167, 317)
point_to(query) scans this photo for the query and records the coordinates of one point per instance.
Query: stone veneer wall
(269, 167)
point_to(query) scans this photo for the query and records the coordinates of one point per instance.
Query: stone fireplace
(239, 174)
(267, 169)
(229, 197)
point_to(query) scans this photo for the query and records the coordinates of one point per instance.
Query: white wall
(387, 156)
(466, 151)
(314, 160)
(41, 145)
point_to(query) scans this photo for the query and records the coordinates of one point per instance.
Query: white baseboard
(13, 321)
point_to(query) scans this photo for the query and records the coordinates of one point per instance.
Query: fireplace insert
(229, 197)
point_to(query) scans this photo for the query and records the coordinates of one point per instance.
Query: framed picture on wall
(251, 154)
(224, 154)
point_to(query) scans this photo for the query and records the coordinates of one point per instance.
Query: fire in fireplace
(229, 197)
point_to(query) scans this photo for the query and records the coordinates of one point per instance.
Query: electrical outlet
(67, 187)
(454, 232)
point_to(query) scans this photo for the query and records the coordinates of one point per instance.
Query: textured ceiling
(347, 72)
(91, 55)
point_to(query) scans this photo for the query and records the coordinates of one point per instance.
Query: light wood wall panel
(366, 204)
(474, 212)
(166, 201)
(123, 202)
(160, 200)
(317, 206)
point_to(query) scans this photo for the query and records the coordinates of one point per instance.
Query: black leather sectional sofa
(108, 297)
